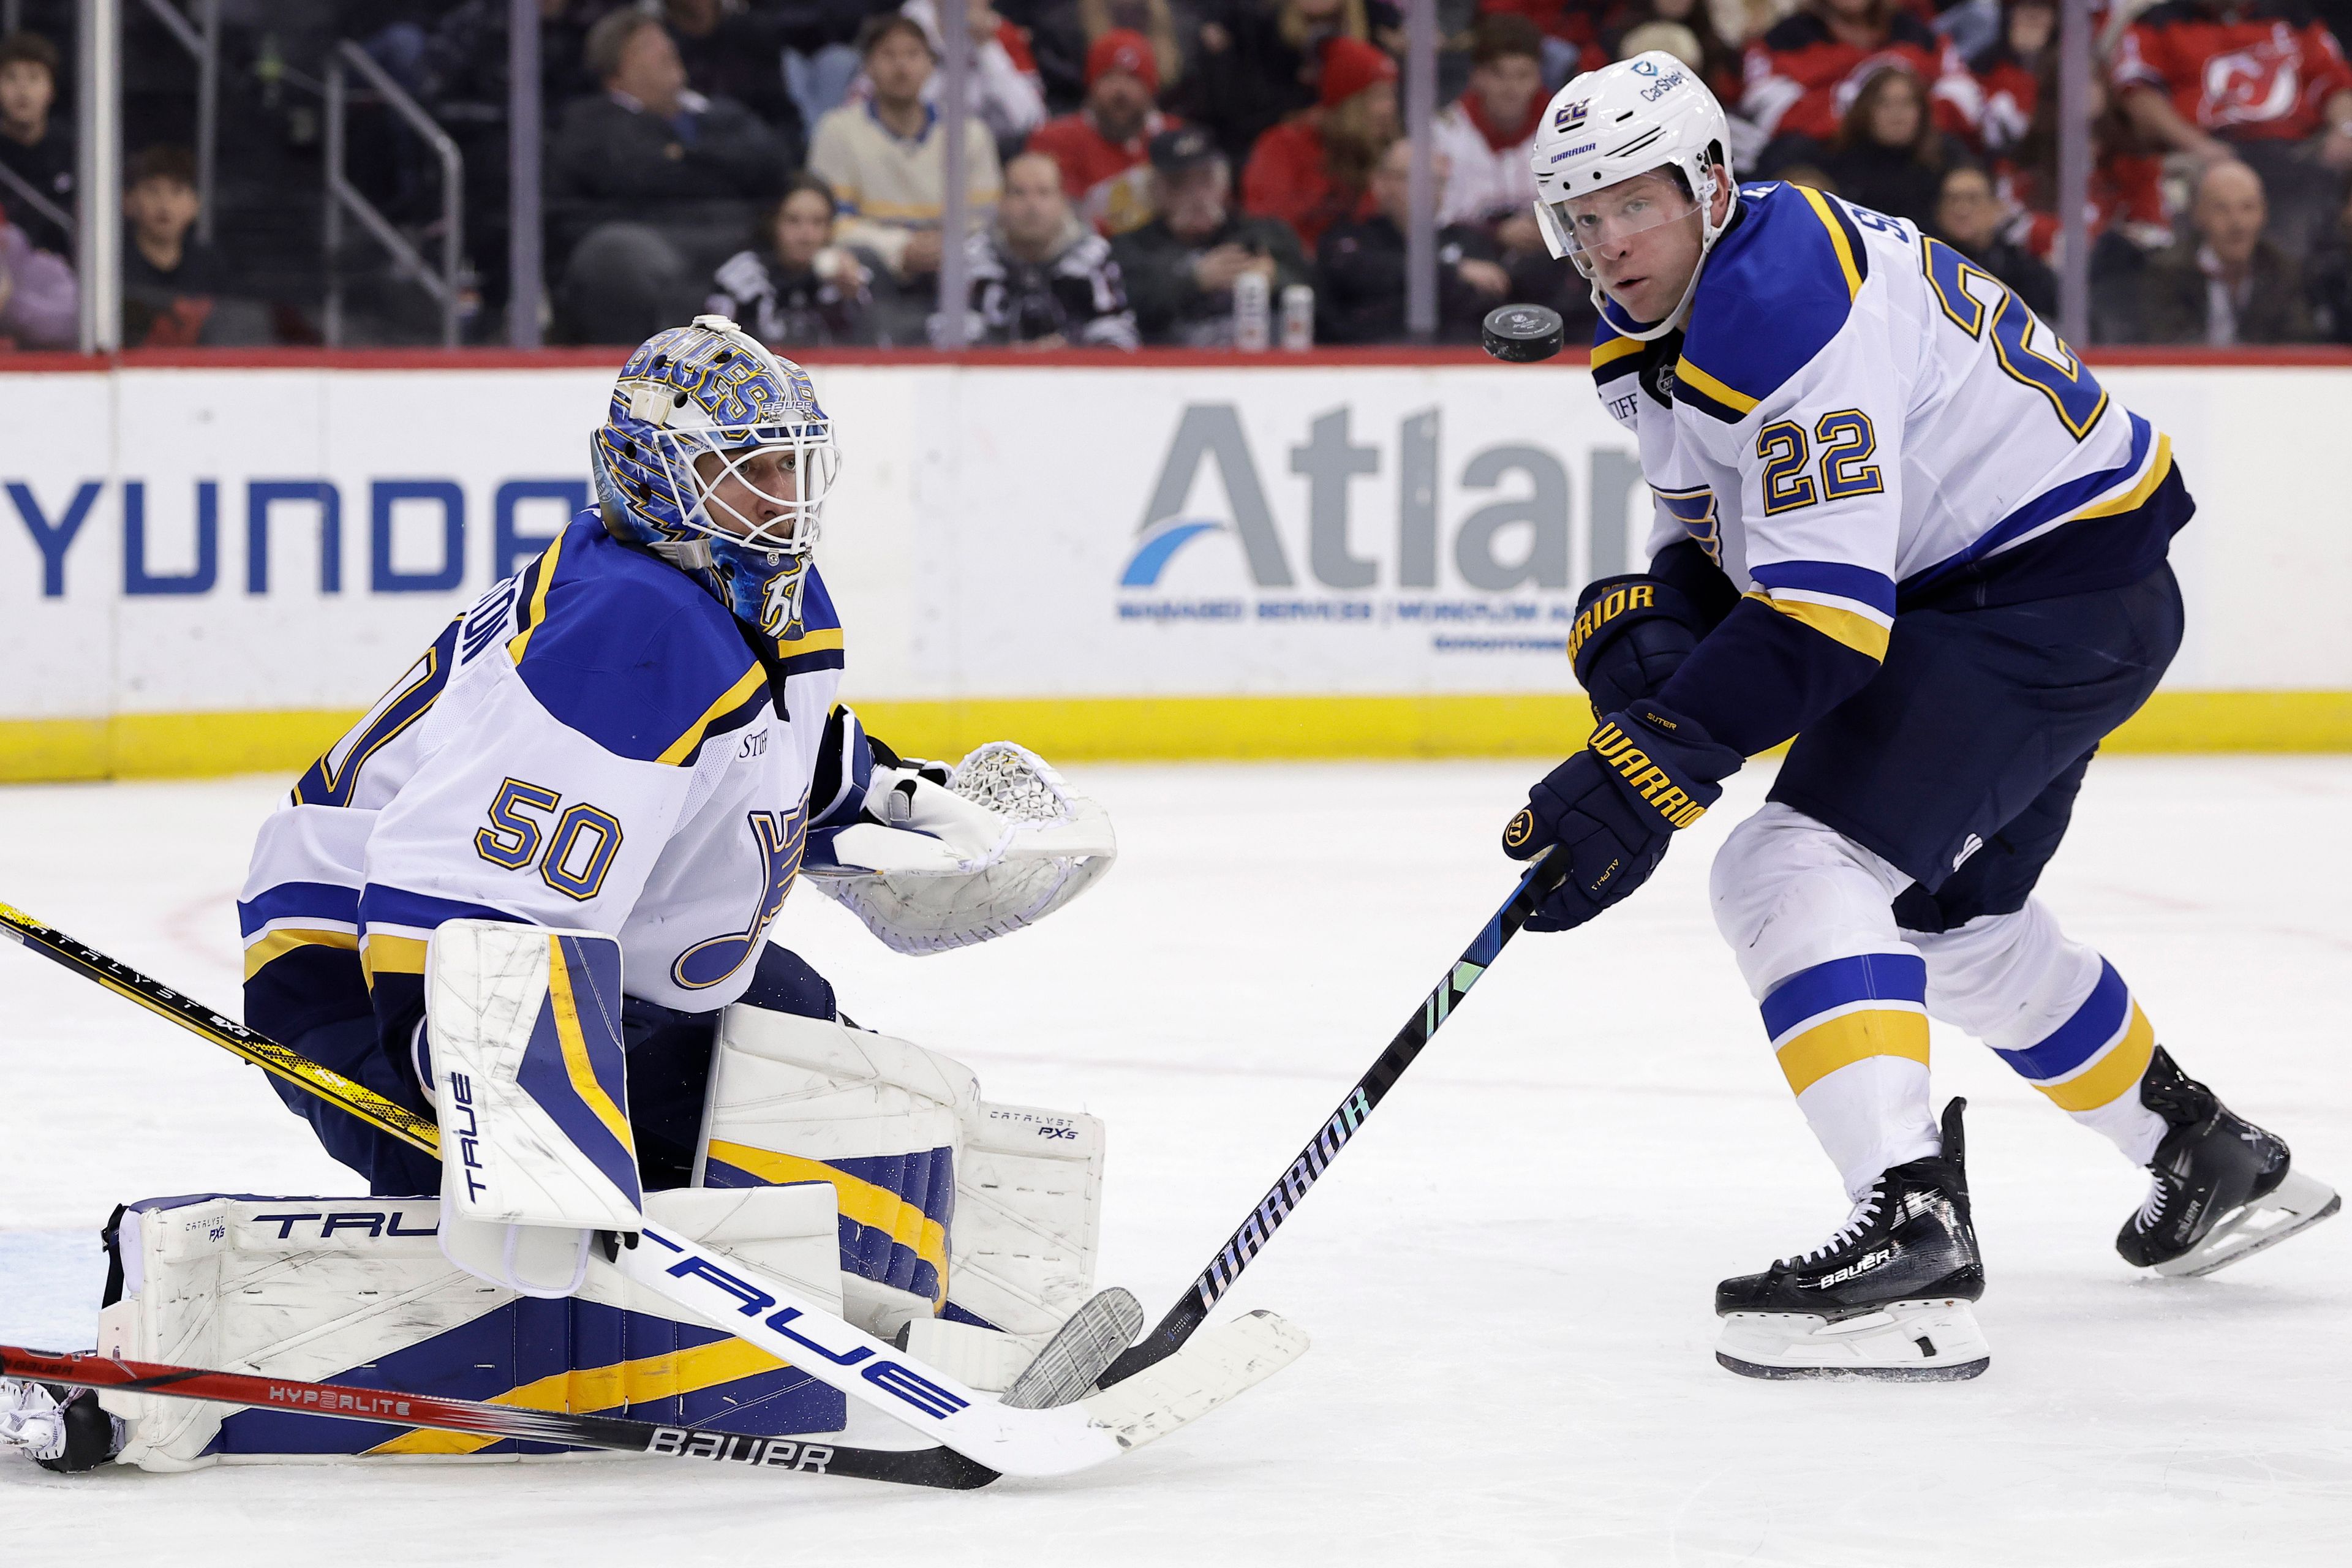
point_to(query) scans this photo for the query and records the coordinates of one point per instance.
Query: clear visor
(1594, 229)
(768, 492)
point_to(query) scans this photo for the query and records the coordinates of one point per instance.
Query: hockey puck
(1523, 333)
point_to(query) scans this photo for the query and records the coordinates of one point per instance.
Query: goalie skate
(2221, 1188)
(1887, 1296)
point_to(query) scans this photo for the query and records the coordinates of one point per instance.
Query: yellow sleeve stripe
(1848, 627)
(2135, 497)
(271, 946)
(1850, 1038)
(2110, 1075)
(664, 1375)
(734, 697)
(575, 1045)
(544, 567)
(821, 641)
(866, 1203)
(1614, 349)
(1820, 206)
(1715, 389)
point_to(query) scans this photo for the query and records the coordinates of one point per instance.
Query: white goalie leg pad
(355, 1290)
(878, 1120)
(1003, 844)
(524, 1026)
(964, 1220)
(1923, 1340)
(1028, 1218)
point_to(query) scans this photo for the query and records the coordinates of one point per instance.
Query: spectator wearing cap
(2227, 283)
(39, 306)
(649, 183)
(1180, 269)
(1040, 278)
(886, 159)
(1102, 149)
(1361, 267)
(170, 279)
(1314, 170)
(36, 160)
(2262, 82)
(1003, 91)
(795, 287)
(1485, 134)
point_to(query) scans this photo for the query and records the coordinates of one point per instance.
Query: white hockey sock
(1806, 911)
(2055, 1011)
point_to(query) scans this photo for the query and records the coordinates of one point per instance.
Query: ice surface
(1508, 1277)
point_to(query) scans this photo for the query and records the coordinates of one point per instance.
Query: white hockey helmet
(1627, 119)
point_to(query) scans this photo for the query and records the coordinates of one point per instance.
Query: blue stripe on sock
(1870, 977)
(2098, 1020)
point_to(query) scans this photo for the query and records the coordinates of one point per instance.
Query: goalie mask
(716, 455)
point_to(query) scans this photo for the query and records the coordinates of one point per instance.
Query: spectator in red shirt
(2262, 82)
(1803, 73)
(1101, 149)
(2010, 71)
(1314, 168)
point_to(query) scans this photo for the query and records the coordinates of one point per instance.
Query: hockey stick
(1290, 1189)
(933, 1467)
(762, 1311)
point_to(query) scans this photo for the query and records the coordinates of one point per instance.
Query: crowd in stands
(1129, 164)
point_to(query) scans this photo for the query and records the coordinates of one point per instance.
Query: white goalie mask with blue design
(716, 455)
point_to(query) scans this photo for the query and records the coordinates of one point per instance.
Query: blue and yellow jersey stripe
(1851, 606)
(1614, 356)
(1778, 287)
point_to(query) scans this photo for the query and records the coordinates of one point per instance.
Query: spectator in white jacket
(1006, 94)
(1486, 133)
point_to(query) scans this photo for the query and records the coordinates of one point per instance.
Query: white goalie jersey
(595, 744)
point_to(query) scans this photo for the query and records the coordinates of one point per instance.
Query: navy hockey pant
(1959, 761)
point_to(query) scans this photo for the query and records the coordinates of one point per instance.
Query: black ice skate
(1885, 1296)
(2223, 1187)
(62, 1428)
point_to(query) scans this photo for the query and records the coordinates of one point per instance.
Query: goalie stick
(766, 1313)
(932, 1466)
(1290, 1189)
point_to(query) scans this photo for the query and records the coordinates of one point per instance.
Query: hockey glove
(1631, 634)
(1612, 808)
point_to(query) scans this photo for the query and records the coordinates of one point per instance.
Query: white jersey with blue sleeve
(1856, 422)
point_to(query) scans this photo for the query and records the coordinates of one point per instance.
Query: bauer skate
(1885, 1296)
(2223, 1188)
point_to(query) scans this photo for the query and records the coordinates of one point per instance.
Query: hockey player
(633, 739)
(1897, 520)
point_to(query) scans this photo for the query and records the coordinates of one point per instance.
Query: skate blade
(1930, 1341)
(2296, 1203)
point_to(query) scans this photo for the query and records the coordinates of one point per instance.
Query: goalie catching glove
(940, 857)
